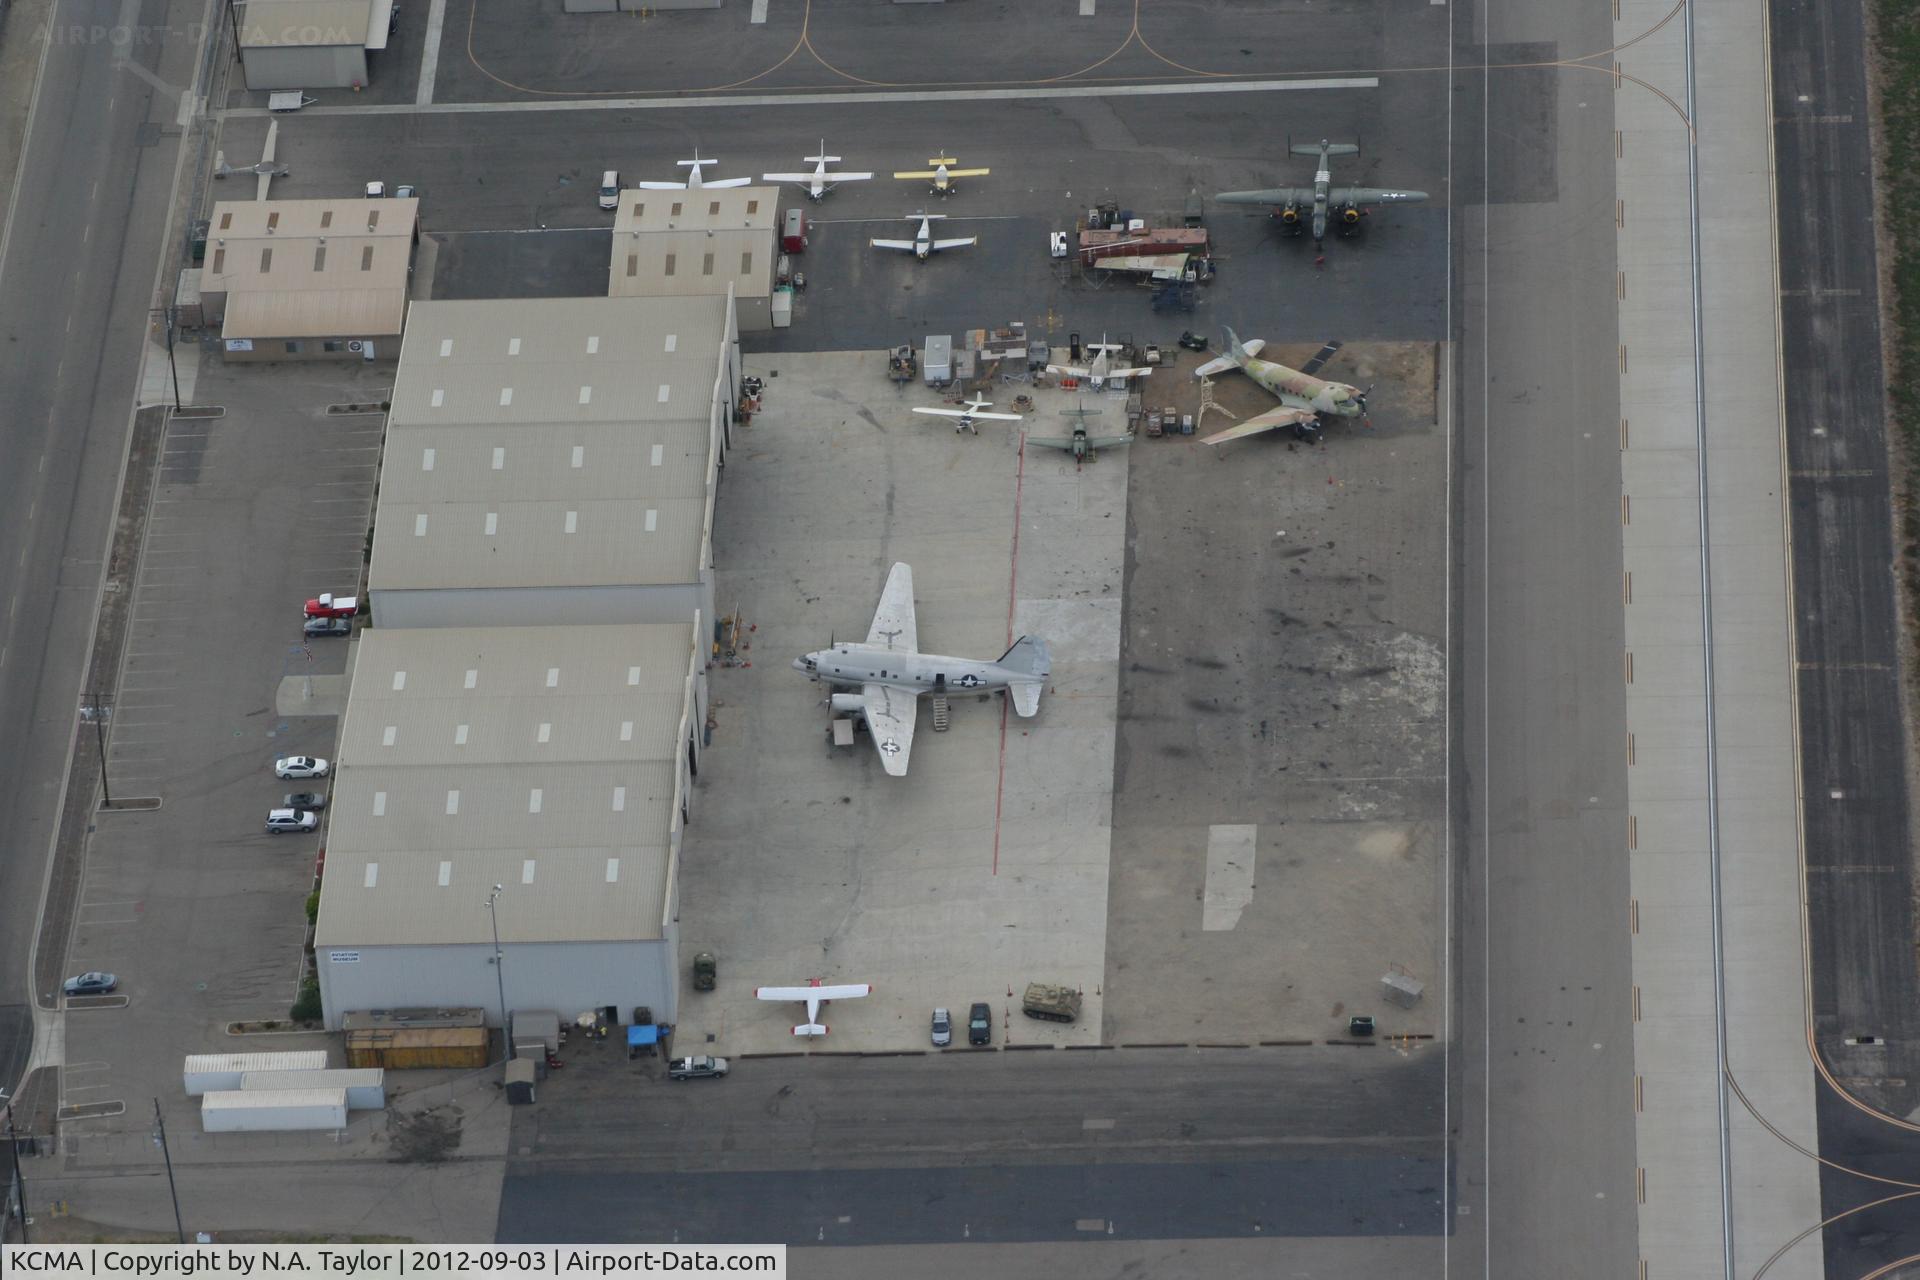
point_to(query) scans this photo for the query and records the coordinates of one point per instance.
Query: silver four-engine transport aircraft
(891, 673)
(1347, 204)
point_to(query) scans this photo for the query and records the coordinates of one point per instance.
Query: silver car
(942, 1028)
(280, 821)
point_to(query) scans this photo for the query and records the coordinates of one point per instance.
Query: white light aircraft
(923, 242)
(694, 181)
(891, 673)
(968, 414)
(1100, 370)
(815, 995)
(820, 181)
(942, 175)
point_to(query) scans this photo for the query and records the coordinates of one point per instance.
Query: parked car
(376, 190)
(702, 1068)
(610, 189)
(942, 1028)
(90, 984)
(300, 767)
(327, 627)
(404, 191)
(980, 1025)
(315, 800)
(281, 821)
(332, 606)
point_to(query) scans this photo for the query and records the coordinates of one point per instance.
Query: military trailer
(1050, 1003)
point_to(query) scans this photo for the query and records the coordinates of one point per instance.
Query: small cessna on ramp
(1083, 447)
(820, 181)
(942, 175)
(891, 673)
(815, 995)
(923, 242)
(1100, 370)
(1348, 205)
(694, 181)
(970, 411)
(1304, 398)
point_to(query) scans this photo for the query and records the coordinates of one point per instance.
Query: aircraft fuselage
(853, 665)
(1305, 390)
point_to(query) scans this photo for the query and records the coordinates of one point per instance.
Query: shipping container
(366, 1086)
(273, 1110)
(207, 1072)
(938, 360)
(459, 1048)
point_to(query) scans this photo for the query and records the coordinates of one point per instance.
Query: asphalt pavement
(1854, 768)
(76, 277)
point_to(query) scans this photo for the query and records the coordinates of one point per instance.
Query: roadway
(77, 262)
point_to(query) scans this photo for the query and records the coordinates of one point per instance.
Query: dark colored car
(305, 800)
(980, 1025)
(90, 984)
(327, 627)
(702, 1068)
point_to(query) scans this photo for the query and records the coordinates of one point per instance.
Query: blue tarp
(637, 1036)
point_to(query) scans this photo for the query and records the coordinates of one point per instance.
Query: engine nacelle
(848, 704)
(1290, 214)
(1350, 215)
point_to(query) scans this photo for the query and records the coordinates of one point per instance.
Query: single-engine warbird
(1082, 446)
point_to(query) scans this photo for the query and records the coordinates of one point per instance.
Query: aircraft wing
(908, 245)
(1376, 195)
(914, 173)
(960, 243)
(1277, 195)
(845, 991)
(893, 625)
(1068, 370)
(1271, 420)
(1108, 442)
(890, 715)
(845, 177)
(663, 186)
(968, 173)
(804, 179)
(1128, 373)
(726, 182)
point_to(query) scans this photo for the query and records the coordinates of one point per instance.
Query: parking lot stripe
(430, 59)
(424, 106)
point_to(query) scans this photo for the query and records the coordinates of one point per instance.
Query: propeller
(1361, 400)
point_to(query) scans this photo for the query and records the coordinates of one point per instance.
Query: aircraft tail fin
(1238, 348)
(1033, 664)
(811, 1029)
(1323, 146)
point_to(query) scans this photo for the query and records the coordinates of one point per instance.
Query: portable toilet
(793, 231)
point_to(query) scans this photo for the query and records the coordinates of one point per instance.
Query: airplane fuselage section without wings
(917, 673)
(1295, 387)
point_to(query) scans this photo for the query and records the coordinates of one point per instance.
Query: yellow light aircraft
(942, 175)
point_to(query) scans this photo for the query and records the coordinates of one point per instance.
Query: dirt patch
(424, 1137)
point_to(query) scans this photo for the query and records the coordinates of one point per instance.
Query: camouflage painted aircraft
(1346, 205)
(1304, 399)
(1082, 446)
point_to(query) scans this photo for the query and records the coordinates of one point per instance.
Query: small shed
(520, 1081)
(938, 359)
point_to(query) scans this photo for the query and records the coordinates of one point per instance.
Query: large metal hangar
(553, 762)
(554, 460)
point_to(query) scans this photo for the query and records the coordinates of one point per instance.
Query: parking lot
(187, 898)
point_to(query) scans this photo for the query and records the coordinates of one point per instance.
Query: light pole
(499, 976)
(167, 315)
(160, 1138)
(99, 709)
(19, 1196)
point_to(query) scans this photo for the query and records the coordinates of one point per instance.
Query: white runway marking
(759, 11)
(825, 99)
(1229, 889)
(430, 56)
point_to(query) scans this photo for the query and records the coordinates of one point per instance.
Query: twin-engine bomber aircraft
(891, 673)
(1346, 204)
(1304, 398)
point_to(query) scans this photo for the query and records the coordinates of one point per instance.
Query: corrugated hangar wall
(567, 977)
(540, 606)
(305, 66)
